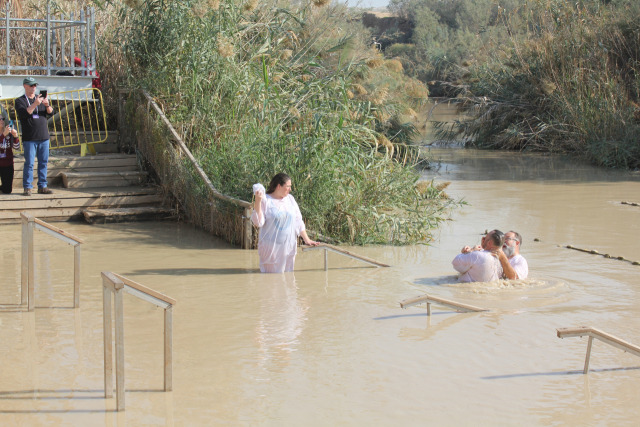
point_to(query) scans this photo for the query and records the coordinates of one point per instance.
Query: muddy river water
(325, 348)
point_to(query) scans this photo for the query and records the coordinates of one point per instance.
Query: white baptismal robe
(280, 225)
(477, 266)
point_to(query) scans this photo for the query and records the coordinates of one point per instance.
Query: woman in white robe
(278, 216)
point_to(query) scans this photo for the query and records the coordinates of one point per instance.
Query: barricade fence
(143, 124)
(79, 118)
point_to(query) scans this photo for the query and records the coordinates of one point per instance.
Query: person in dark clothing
(33, 112)
(8, 142)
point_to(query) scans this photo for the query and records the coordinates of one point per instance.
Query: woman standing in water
(278, 216)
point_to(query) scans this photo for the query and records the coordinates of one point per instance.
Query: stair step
(65, 204)
(69, 163)
(140, 213)
(102, 179)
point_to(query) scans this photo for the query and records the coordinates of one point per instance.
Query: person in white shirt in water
(480, 263)
(278, 216)
(514, 265)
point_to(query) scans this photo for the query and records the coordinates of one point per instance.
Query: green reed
(571, 86)
(259, 90)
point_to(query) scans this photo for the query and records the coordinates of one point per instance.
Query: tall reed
(572, 87)
(256, 91)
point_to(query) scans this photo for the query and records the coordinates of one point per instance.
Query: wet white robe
(280, 225)
(477, 266)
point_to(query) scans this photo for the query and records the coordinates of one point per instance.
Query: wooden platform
(68, 203)
(74, 163)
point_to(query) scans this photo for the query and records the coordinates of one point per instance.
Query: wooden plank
(341, 251)
(102, 183)
(76, 162)
(441, 301)
(123, 214)
(145, 289)
(102, 175)
(39, 207)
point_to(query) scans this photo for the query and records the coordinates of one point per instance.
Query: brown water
(320, 348)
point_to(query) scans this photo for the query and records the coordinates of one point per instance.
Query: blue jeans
(33, 149)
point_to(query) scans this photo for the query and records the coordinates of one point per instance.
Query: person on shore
(480, 263)
(514, 265)
(33, 112)
(278, 216)
(9, 141)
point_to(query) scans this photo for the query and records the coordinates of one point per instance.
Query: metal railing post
(48, 39)
(168, 349)
(31, 298)
(76, 276)
(108, 346)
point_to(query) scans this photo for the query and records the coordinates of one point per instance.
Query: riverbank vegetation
(256, 88)
(541, 75)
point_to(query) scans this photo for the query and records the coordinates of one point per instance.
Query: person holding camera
(33, 112)
(8, 142)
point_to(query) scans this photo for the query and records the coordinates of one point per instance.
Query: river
(319, 348)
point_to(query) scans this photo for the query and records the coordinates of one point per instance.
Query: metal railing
(429, 299)
(330, 248)
(115, 284)
(80, 119)
(28, 283)
(66, 38)
(598, 334)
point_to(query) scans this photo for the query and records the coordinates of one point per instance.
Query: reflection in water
(282, 316)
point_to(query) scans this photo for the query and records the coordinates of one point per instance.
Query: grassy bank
(573, 87)
(256, 88)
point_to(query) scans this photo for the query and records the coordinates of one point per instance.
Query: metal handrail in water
(115, 284)
(27, 289)
(429, 299)
(592, 333)
(327, 247)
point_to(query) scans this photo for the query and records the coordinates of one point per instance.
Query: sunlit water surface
(321, 348)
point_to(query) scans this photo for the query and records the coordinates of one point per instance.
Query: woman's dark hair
(279, 179)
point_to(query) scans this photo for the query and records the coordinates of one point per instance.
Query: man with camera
(33, 112)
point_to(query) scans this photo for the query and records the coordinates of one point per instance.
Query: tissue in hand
(258, 188)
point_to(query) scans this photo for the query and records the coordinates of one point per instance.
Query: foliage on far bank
(256, 89)
(572, 87)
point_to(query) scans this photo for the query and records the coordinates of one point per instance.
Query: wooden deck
(68, 203)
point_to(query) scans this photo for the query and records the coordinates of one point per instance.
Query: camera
(43, 93)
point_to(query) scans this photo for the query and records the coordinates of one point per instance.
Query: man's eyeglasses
(510, 238)
(33, 85)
